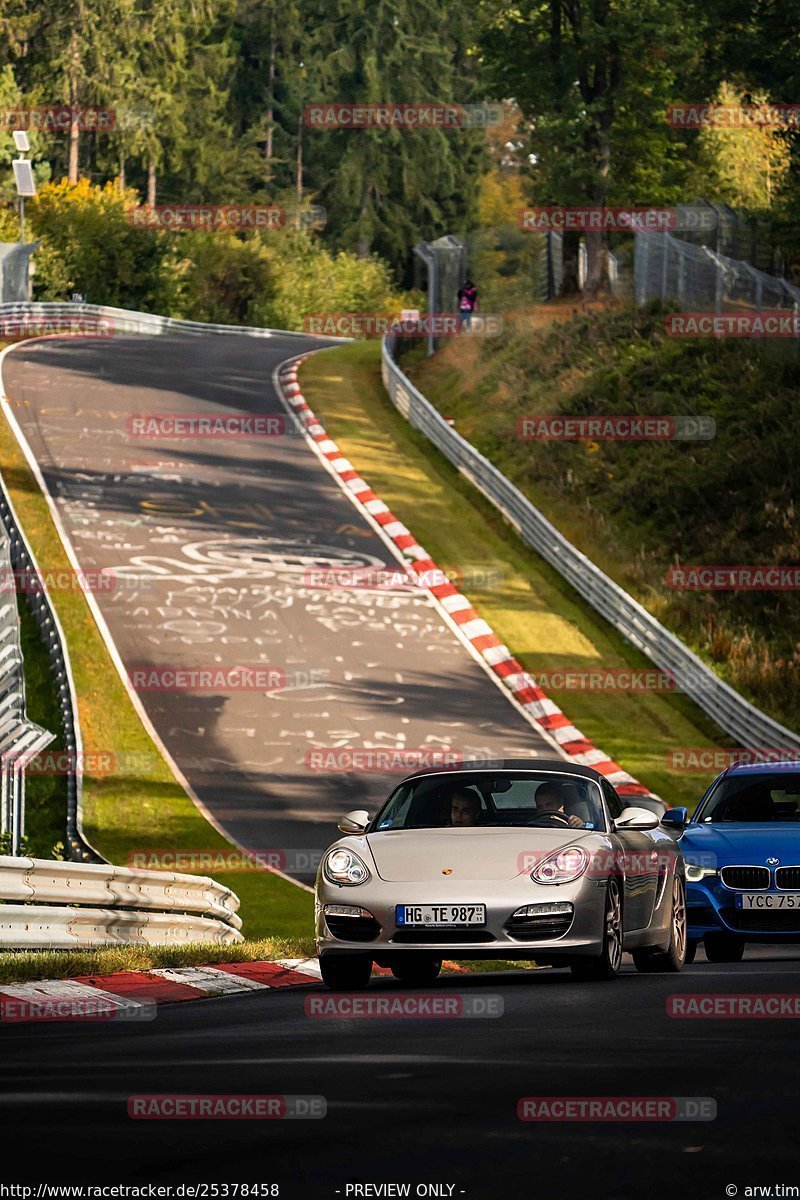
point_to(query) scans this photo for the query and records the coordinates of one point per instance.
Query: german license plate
(440, 916)
(769, 901)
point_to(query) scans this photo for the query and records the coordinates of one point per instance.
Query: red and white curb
(130, 993)
(469, 625)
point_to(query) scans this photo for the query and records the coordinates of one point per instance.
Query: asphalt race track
(422, 1101)
(210, 541)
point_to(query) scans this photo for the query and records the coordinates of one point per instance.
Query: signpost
(23, 176)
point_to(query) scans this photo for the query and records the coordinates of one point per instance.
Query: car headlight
(695, 873)
(561, 867)
(344, 867)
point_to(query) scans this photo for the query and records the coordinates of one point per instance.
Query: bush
(89, 246)
(311, 279)
(222, 279)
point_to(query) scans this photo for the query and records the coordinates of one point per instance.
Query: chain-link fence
(445, 262)
(741, 234)
(700, 279)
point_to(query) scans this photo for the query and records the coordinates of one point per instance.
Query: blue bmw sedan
(742, 850)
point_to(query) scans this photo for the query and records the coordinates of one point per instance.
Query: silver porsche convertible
(530, 859)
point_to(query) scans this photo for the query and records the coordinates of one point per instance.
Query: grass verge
(23, 966)
(26, 966)
(139, 805)
(536, 613)
(640, 508)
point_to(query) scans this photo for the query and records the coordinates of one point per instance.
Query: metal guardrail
(20, 738)
(59, 905)
(24, 564)
(742, 721)
(118, 320)
(123, 320)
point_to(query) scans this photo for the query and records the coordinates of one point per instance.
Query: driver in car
(553, 796)
(465, 808)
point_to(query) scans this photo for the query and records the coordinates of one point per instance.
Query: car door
(639, 861)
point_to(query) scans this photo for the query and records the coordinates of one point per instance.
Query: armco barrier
(59, 904)
(30, 927)
(123, 320)
(46, 618)
(20, 738)
(748, 726)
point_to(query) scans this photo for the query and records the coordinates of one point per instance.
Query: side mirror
(354, 822)
(676, 818)
(636, 818)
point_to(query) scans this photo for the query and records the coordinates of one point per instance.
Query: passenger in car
(465, 807)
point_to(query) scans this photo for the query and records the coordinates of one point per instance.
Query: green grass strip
(142, 807)
(535, 612)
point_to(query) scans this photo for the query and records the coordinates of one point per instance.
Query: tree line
(210, 99)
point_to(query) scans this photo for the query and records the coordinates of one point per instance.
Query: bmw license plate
(769, 901)
(440, 916)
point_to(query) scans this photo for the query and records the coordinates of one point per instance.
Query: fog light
(557, 908)
(345, 910)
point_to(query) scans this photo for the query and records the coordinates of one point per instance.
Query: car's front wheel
(673, 958)
(345, 972)
(418, 970)
(610, 960)
(723, 948)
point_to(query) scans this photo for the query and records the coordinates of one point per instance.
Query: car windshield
(754, 798)
(493, 800)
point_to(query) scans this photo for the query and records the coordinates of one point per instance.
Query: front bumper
(711, 908)
(384, 939)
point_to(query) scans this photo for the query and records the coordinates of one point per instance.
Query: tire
(691, 952)
(345, 972)
(723, 948)
(417, 969)
(608, 964)
(672, 959)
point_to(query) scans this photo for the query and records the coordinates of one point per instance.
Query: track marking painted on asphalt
(105, 632)
(65, 990)
(476, 634)
(210, 980)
